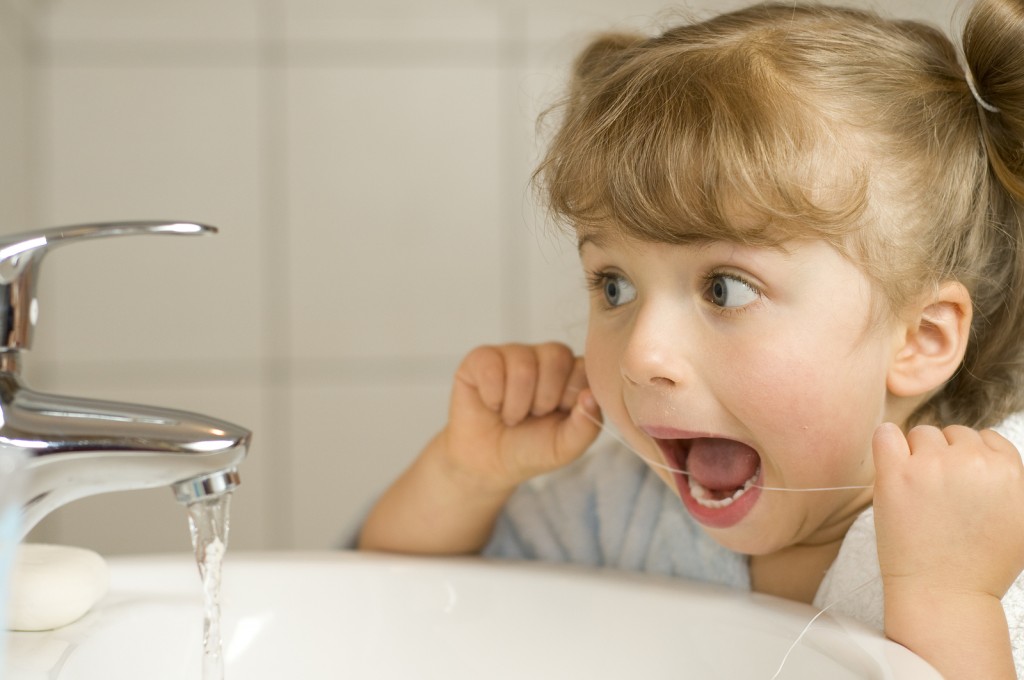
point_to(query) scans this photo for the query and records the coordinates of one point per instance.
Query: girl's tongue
(721, 465)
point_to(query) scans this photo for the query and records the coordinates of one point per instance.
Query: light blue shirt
(609, 509)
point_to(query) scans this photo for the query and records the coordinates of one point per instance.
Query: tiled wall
(368, 165)
(14, 112)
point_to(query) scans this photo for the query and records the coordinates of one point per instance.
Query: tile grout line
(34, 109)
(513, 259)
(305, 53)
(276, 376)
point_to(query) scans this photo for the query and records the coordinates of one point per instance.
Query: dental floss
(654, 463)
(810, 623)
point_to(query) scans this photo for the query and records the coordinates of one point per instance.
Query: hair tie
(977, 97)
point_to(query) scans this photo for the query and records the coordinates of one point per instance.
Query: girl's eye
(730, 291)
(616, 289)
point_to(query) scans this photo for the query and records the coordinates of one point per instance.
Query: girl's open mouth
(721, 480)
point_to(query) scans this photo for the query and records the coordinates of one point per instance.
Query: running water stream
(208, 524)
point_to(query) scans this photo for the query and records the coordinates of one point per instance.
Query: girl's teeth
(702, 495)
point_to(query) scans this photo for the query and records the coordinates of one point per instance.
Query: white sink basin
(360, 616)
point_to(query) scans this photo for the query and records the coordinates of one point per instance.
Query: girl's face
(747, 367)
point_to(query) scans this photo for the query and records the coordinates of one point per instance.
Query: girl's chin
(752, 543)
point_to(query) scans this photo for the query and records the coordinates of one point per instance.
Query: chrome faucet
(82, 447)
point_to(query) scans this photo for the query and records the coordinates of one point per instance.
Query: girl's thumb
(888, 445)
(581, 428)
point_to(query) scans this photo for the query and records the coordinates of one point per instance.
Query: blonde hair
(780, 121)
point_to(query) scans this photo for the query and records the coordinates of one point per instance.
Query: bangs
(679, 144)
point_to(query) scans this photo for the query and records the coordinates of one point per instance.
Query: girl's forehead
(724, 250)
(747, 234)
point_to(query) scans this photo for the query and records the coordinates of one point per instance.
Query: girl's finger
(998, 442)
(482, 372)
(959, 434)
(555, 365)
(581, 428)
(577, 381)
(520, 383)
(926, 438)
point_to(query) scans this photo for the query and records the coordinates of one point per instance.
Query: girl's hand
(949, 520)
(949, 508)
(518, 411)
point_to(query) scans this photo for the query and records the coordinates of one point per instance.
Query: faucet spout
(82, 447)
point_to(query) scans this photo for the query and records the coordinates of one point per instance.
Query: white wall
(367, 163)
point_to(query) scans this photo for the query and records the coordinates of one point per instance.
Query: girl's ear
(934, 343)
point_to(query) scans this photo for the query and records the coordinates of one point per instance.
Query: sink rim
(132, 579)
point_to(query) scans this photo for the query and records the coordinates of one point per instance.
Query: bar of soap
(54, 585)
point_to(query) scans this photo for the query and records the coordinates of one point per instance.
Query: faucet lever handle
(22, 253)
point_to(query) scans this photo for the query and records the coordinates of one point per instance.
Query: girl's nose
(656, 352)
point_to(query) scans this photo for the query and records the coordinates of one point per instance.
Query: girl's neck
(794, 573)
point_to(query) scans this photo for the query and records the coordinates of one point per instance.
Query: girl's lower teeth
(703, 497)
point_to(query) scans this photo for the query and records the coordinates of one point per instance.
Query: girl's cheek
(600, 364)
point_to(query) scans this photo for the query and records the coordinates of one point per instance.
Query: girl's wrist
(466, 480)
(963, 633)
(905, 595)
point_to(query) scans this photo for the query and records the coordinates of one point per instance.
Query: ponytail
(993, 44)
(990, 384)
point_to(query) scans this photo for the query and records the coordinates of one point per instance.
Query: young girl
(803, 229)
